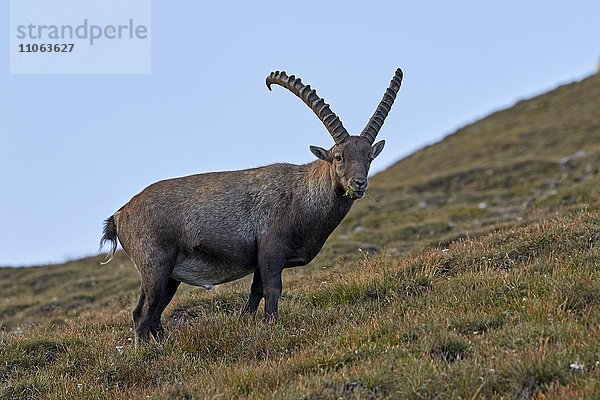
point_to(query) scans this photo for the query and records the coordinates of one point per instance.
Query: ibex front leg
(256, 295)
(270, 267)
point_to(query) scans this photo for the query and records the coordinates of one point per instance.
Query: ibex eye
(338, 158)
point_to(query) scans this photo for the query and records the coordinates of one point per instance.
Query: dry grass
(504, 315)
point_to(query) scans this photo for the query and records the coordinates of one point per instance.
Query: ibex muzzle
(212, 228)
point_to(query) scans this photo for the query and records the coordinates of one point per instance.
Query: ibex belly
(197, 271)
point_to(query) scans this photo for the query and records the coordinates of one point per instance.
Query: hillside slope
(542, 155)
(548, 127)
(486, 284)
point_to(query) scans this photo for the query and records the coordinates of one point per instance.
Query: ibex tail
(110, 235)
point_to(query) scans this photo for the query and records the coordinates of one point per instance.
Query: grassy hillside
(540, 156)
(478, 276)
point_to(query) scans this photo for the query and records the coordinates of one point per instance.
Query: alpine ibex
(212, 228)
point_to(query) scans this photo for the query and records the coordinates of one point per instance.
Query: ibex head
(350, 156)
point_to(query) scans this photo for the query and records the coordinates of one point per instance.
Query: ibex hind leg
(154, 295)
(156, 328)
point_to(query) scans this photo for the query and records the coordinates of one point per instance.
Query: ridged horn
(384, 107)
(309, 96)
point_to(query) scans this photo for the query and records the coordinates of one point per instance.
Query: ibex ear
(321, 153)
(376, 149)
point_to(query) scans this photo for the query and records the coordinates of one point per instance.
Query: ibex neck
(322, 190)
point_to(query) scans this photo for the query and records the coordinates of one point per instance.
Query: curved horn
(310, 97)
(384, 107)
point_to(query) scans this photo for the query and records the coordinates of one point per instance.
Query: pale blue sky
(73, 149)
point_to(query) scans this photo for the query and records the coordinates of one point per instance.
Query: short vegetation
(473, 272)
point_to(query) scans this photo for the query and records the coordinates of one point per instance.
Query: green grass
(474, 274)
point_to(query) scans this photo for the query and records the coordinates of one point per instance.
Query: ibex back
(212, 228)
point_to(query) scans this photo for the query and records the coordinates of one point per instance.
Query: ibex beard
(213, 228)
